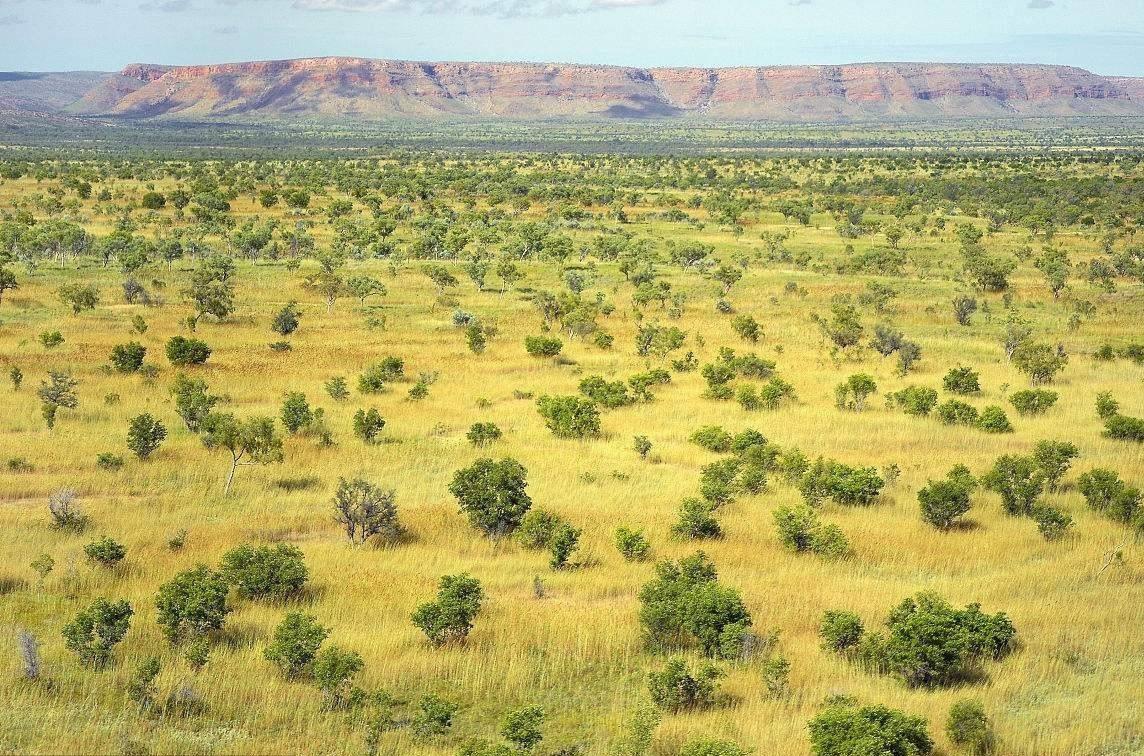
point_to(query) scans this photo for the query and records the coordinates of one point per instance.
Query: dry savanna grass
(1073, 687)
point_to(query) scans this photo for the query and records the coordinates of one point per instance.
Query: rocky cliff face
(357, 88)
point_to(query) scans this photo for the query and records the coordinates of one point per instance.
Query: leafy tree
(183, 351)
(368, 424)
(1054, 458)
(962, 380)
(128, 358)
(1019, 480)
(192, 603)
(363, 287)
(144, 435)
(483, 434)
(684, 606)
(968, 728)
(543, 346)
(328, 281)
(799, 530)
(522, 727)
(569, 416)
(192, 402)
(675, 688)
(845, 729)
(141, 686)
(450, 618)
(963, 308)
(79, 297)
(252, 441)
(632, 544)
(852, 393)
(1033, 401)
(840, 630)
(8, 281)
(642, 446)
(295, 643)
(211, 289)
(696, 520)
(492, 494)
(287, 320)
(96, 630)
(277, 572)
(57, 391)
(434, 716)
(365, 510)
(943, 501)
(1039, 361)
(333, 669)
(994, 420)
(106, 552)
(296, 412)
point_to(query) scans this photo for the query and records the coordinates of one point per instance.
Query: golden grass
(1073, 688)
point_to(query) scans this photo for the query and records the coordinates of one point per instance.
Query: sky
(1104, 36)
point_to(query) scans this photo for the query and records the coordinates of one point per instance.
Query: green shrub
(1106, 493)
(684, 606)
(943, 501)
(1124, 428)
(1033, 401)
(192, 603)
(265, 571)
(483, 434)
(915, 400)
(852, 393)
(564, 542)
(368, 424)
(968, 728)
(799, 530)
(96, 630)
(492, 494)
(844, 729)
(543, 346)
(632, 544)
(434, 716)
(840, 631)
(183, 351)
(295, 643)
(128, 358)
(333, 670)
(705, 747)
(144, 435)
(1106, 406)
(108, 461)
(608, 394)
(569, 416)
(522, 727)
(450, 618)
(713, 438)
(106, 552)
(537, 528)
(675, 688)
(296, 413)
(696, 520)
(993, 420)
(955, 412)
(962, 380)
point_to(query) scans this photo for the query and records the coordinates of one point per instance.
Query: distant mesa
(360, 89)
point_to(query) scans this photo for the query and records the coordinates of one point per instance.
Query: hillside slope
(356, 89)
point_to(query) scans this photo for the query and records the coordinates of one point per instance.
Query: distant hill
(356, 89)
